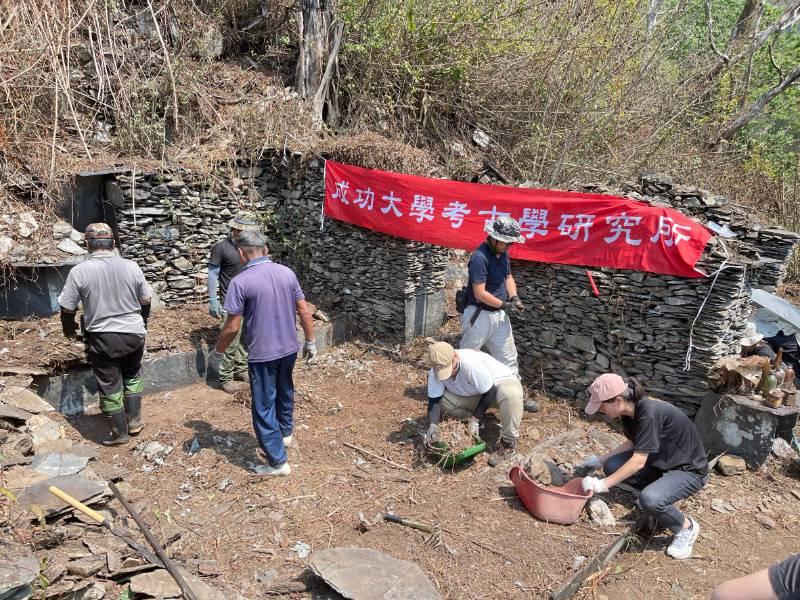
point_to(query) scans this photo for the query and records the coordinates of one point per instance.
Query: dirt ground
(374, 398)
(39, 344)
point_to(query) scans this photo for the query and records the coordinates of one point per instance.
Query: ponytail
(634, 393)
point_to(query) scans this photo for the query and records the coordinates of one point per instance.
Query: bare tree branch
(787, 20)
(710, 29)
(758, 106)
(747, 24)
(776, 66)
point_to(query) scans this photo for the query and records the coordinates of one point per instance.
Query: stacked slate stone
(170, 219)
(766, 251)
(355, 273)
(641, 324)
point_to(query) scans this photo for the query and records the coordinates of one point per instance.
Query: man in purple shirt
(268, 296)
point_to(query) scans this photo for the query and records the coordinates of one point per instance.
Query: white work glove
(309, 349)
(593, 484)
(432, 435)
(591, 462)
(473, 426)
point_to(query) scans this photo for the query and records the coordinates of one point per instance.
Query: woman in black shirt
(663, 456)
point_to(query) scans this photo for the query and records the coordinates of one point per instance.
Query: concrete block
(738, 425)
(424, 314)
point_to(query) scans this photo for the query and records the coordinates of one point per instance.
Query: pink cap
(605, 387)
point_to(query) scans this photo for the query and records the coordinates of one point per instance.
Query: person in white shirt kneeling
(465, 383)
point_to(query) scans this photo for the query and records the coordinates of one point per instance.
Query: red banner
(560, 227)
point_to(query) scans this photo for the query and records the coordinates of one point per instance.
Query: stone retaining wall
(169, 220)
(392, 289)
(640, 324)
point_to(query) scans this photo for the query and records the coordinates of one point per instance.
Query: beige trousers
(508, 399)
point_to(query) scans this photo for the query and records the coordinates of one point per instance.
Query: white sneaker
(278, 471)
(683, 542)
(287, 441)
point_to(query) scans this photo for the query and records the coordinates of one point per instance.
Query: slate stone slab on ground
(366, 574)
(18, 567)
(76, 486)
(25, 400)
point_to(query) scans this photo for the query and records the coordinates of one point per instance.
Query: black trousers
(116, 360)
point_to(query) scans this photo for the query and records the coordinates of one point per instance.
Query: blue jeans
(272, 389)
(659, 490)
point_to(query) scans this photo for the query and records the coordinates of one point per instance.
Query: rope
(688, 362)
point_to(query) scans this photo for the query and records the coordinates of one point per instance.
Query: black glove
(517, 303)
(508, 306)
(68, 324)
(145, 313)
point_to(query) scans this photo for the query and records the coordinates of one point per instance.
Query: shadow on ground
(238, 447)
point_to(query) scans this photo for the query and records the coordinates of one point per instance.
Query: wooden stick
(170, 566)
(599, 561)
(297, 498)
(373, 455)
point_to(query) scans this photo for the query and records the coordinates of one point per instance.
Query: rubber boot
(119, 429)
(133, 409)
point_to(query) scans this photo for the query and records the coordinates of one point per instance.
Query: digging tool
(435, 538)
(96, 516)
(166, 561)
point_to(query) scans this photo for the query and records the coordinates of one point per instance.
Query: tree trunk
(312, 21)
(787, 20)
(652, 15)
(758, 106)
(747, 22)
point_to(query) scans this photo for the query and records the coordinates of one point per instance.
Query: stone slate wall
(380, 285)
(171, 218)
(640, 323)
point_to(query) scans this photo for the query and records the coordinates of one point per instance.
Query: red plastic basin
(561, 505)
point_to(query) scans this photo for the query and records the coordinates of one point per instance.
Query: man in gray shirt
(116, 305)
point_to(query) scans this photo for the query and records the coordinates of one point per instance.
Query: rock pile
(77, 559)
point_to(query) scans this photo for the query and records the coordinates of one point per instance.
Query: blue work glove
(214, 308)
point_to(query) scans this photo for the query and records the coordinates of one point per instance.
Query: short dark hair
(251, 239)
(100, 243)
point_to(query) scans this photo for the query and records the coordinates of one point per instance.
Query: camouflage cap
(99, 231)
(504, 229)
(245, 221)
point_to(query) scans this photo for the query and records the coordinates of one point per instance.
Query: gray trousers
(659, 490)
(492, 331)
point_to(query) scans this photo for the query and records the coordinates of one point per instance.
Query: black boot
(119, 429)
(133, 409)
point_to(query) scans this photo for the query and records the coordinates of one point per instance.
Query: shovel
(96, 516)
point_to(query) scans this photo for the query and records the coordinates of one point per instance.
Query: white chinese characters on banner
(422, 208)
(456, 211)
(533, 222)
(667, 228)
(341, 192)
(393, 201)
(620, 224)
(364, 198)
(573, 225)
